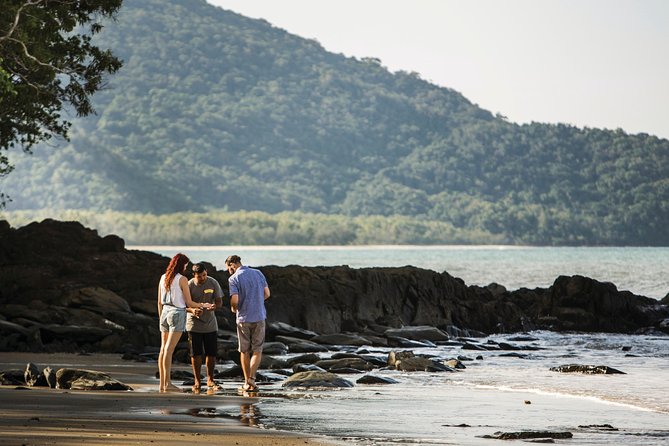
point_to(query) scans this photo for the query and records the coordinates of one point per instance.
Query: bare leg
(245, 361)
(196, 361)
(254, 364)
(169, 343)
(211, 363)
(161, 371)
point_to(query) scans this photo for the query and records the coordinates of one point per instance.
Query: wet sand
(43, 416)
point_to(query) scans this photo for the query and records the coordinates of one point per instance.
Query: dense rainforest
(214, 114)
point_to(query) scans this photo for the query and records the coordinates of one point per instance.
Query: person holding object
(248, 292)
(202, 326)
(173, 299)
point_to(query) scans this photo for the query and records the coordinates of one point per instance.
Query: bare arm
(266, 292)
(234, 301)
(183, 284)
(160, 301)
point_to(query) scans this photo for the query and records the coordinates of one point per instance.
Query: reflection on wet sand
(249, 414)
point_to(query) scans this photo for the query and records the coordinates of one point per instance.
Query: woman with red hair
(173, 298)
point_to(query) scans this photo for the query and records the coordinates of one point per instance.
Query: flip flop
(215, 387)
(196, 388)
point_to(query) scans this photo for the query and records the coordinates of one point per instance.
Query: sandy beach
(43, 416)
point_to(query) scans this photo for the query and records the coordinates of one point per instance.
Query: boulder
(274, 348)
(316, 379)
(12, 378)
(395, 356)
(78, 379)
(309, 358)
(376, 379)
(587, 369)
(418, 364)
(395, 341)
(418, 333)
(307, 368)
(358, 364)
(341, 339)
(50, 377)
(96, 299)
(530, 435)
(33, 377)
(297, 345)
(277, 328)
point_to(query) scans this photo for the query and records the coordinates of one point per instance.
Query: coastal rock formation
(65, 288)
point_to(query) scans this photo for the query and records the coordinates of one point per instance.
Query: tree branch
(18, 17)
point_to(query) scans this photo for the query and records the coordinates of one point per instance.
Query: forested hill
(213, 110)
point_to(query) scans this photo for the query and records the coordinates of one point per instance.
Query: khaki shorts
(251, 336)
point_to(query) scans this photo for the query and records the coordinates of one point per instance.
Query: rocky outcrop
(65, 288)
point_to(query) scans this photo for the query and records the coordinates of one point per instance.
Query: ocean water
(641, 270)
(496, 393)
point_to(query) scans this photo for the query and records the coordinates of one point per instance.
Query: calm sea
(643, 271)
(498, 391)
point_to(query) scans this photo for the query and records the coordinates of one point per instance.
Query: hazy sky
(595, 63)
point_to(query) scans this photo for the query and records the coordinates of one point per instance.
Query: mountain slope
(214, 110)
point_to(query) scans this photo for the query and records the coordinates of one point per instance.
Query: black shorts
(197, 341)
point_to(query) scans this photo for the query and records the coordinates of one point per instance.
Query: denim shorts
(172, 319)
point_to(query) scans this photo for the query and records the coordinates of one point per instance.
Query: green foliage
(47, 62)
(217, 114)
(259, 228)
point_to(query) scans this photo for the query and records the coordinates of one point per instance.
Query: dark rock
(96, 299)
(307, 368)
(33, 377)
(282, 329)
(269, 377)
(50, 377)
(417, 333)
(228, 370)
(94, 283)
(78, 379)
(395, 356)
(12, 378)
(408, 343)
(375, 379)
(343, 363)
(316, 379)
(271, 362)
(418, 364)
(309, 358)
(526, 435)
(598, 427)
(341, 339)
(274, 348)
(297, 345)
(587, 369)
(455, 364)
(378, 361)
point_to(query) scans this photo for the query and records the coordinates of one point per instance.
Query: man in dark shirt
(202, 326)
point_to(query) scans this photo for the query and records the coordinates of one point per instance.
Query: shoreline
(40, 415)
